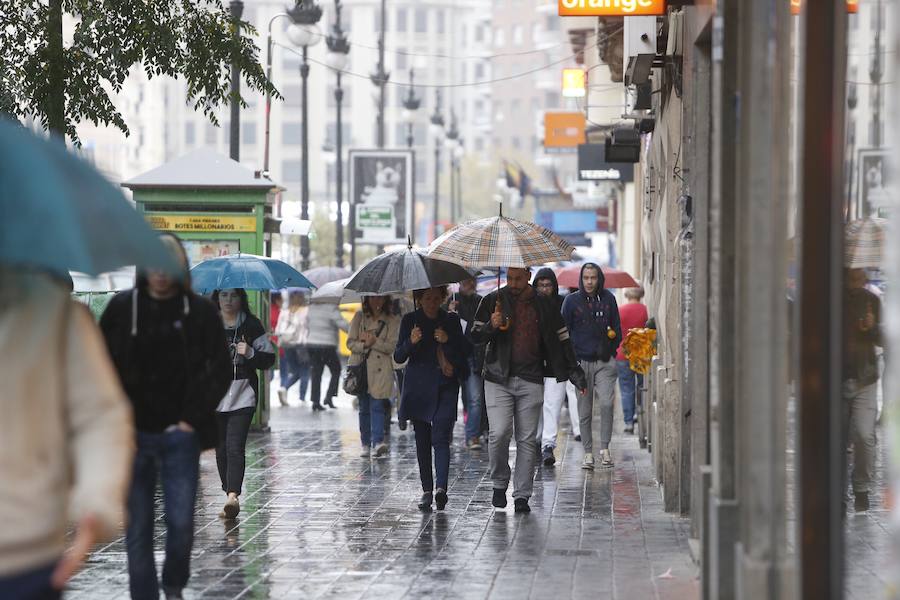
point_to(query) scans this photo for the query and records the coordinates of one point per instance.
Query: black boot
(317, 407)
(440, 498)
(329, 403)
(425, 504)
(499, 498)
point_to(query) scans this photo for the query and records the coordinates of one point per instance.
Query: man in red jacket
(632, 315)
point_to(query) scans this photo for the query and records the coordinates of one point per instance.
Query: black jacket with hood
(171, 356)
(589, 319)
(558, 357)
(547, 273)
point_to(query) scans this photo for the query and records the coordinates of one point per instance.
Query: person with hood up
(251, 351)
(168, 346)
(592, 316)
(66, 438)
(554, 391)
(527, 341)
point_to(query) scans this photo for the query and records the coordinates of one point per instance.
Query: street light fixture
(437, 128)
(304, 33)
(336, 59)
(410, 105)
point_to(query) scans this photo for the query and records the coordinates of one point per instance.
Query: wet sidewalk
(318, 521)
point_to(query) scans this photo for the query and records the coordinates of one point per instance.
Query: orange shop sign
(563, 129)
(797, 5)
(611, 8)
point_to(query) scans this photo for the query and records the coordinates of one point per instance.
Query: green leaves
(188, 39)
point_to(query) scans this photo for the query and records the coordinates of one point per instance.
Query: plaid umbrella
(864, 243)
(500, 242)
(403, 270)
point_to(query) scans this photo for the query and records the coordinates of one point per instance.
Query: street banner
(381, 195)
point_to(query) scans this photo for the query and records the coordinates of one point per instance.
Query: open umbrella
(612, 278)
(319, 276)
(246, 271)
(864, 243)
(405, 269)
(60, 214)
(334, 292)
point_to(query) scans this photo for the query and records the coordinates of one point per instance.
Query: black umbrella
(404, 270)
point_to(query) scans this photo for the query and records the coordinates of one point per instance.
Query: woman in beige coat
(373, 337)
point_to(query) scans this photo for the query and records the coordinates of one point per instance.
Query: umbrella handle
(498, 308)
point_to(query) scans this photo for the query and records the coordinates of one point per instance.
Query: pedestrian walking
(168, 347)
(66, 438)
(432, 340)
(592, 317)
(251, 351)
(465, 304)
(323, 323)
(862, 333)
(292, 336)
(554, 391)
(372, 340)
(526, 341)
(632, 315)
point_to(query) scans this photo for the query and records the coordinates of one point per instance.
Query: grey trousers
(516, 405)
(601, 391)
(860, 414)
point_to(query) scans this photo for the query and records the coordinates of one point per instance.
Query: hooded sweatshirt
(589, 318)
(547, 273)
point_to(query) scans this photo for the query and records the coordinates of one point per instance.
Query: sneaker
(232, 507)
(578, 438)
(366, 453)
(588, 462)
(547, 455)
(521, 505)
(629, 429)
(474, 444)
(440, 499)
(381, 450)
(499, 498)
(861, 501)
(605, 459)
(282, 397)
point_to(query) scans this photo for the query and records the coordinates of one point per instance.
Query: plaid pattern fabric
(864, 243)
(500, 242)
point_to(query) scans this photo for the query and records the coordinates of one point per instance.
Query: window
(479, 33)
(401, 20)
(420, 171)
(499, 38)
(551, 23)
(400, 58)
(479, 71)
(211, 135)
(331, 134)
(420, 134)
(441, 21)
(535, 32)
(248, 132)
(551, 99)
(515, 106)
(290, 170)
(517, 35)
(189, 134)
(400, 132)
(290, 133)
(421, 16)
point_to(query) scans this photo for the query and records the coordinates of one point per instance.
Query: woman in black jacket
(251, 350)
(431, 339)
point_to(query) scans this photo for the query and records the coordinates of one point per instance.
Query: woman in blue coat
(432, 340)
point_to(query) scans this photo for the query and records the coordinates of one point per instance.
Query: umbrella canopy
(319, 276)
(406, 269)
(864, 243)
(60, 214)
(334, 292)
(245, 271)
(500, 242)
(613, 278)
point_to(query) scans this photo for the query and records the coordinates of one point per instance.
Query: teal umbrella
(60, 214)
(246, 271)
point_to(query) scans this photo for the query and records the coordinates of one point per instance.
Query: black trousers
(319, 358)
(231, 450)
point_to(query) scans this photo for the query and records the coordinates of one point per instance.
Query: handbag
(356, 381)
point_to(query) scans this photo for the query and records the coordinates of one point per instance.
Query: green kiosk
(217, 207)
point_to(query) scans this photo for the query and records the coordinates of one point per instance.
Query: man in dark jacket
(169, 349)
(526, 341)
(862, 333)
(592, 316)
(465, 304)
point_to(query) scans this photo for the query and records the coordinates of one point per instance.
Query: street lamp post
(437, 125)
(410, 105)
(304, 33)
(234, 138)
(338, 49)
(452, 136)
(380, 78)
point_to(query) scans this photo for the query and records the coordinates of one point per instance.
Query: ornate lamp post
(380, 78)
(304, 33)
(452, 145)
(410, 105)
(437, 127)
(338, 49)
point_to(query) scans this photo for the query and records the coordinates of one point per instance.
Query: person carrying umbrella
(291, 331)
(372, 340)
(432, 340)
(251, 351)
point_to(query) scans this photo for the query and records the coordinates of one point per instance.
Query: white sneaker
(605, 459)
(282, 397)
(366, 453)
(588, 462)
(381, 450)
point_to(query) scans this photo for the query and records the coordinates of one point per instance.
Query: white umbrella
(335, 292)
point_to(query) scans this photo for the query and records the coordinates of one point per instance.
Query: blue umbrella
(246, 271)
(60, 214)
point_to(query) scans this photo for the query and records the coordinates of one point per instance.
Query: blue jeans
(628, 379)
(175, 456)
(473, 396)
(371, 420)
(433, 436)
(32, 585)
(294, 367)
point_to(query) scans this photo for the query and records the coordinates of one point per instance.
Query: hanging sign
(611, 8)
(193, 223)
